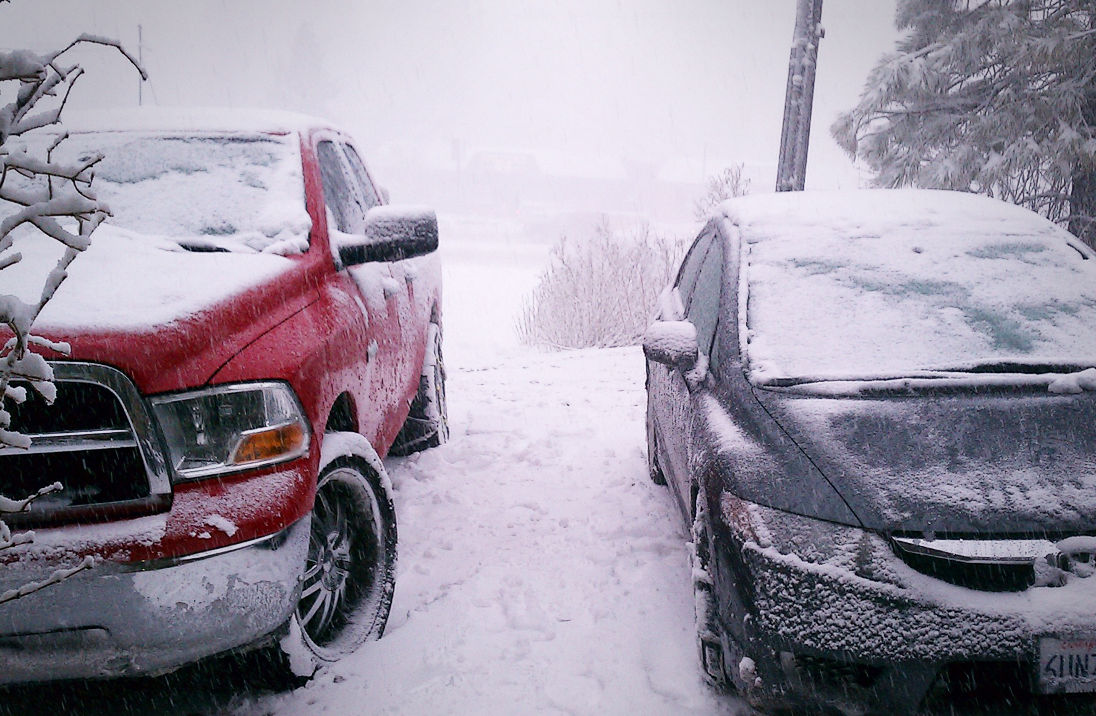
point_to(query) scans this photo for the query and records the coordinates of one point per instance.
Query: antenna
(141, 61)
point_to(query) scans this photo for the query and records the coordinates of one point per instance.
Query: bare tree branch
(50, 197)
(11, 506)
(59, 575)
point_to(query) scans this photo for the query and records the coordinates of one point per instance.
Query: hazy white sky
(651, 80)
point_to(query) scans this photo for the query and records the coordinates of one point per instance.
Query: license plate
(1067, 666)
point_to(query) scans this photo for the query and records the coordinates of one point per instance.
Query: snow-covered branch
(41, 198)
(53, 197)
(9, 505)
(57, 576)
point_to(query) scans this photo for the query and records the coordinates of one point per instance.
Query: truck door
(373, 288)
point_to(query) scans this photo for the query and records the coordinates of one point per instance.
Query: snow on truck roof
(903, 283)
(190, 119)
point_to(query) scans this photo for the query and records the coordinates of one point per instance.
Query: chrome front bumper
(150, 617)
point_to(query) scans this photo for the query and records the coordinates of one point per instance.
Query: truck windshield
(206, 192)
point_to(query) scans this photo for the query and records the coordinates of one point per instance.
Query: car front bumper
(150, 617)
(816, 632)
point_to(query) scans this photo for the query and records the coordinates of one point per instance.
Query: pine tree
(990, 96)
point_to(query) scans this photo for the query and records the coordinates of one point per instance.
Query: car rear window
(206, 192)
(894, 284)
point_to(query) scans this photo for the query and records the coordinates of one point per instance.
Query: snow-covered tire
(709, 636)
(349, 573)
(654, 470)
(427, 423)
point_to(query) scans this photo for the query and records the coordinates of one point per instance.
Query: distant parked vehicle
(875, 411)
(250, 333)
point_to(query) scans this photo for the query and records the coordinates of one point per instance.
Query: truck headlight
(231, 428)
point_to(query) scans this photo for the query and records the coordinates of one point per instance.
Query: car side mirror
(672, 343)
(391, 233)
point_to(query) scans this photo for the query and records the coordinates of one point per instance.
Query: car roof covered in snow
(884, 212)
(191, 119)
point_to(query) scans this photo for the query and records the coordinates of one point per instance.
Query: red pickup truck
(251, 332)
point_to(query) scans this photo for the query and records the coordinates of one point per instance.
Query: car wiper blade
(1017, 367)
(994, 372)
(203, 248)
(861, 378)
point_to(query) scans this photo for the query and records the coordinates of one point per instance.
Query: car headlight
(813, 541)
(231, 427)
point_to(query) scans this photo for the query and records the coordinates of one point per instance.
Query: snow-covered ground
(540, 570)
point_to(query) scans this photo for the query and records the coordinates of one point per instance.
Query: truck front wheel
(349, 575)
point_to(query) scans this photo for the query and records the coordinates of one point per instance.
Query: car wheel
(653, 468)
(709, 636)
(349, 574)
(427, 423)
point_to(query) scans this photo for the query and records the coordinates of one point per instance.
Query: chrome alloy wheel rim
(343, 558)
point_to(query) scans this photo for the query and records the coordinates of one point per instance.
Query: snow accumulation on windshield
(238, 192)
(196, 217)
(890, 284)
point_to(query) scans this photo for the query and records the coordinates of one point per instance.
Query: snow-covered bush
(600, 292)
(725, 185)
(46, 199)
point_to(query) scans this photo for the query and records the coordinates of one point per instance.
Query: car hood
(167, 317)
(1000, 462)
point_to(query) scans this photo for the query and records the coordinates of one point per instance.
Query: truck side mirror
(391, 233)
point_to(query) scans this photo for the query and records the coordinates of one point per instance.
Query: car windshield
(910, 284)
(205, 192)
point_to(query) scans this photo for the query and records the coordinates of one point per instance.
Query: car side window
(690, 267)
(338, 192)
(702, 306)
(365, 184)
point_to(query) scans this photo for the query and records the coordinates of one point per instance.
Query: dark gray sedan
(876, 412)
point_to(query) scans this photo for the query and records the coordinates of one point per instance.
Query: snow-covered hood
(166, 316)
(1000, 462)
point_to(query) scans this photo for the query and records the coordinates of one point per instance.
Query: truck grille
(97, 440)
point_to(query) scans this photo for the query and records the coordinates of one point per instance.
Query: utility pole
(795, 135)
(140, 61)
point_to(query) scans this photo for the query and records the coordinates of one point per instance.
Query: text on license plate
(1067, 665)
